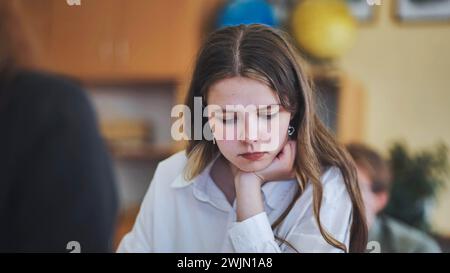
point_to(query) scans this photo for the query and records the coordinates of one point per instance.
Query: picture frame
(422, 11)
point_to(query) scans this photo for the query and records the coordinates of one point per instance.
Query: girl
(238, 195)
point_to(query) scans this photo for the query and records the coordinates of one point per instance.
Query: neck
(222, 174)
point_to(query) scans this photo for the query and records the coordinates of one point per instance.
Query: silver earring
(291, 130)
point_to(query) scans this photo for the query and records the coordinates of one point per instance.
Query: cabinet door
(104, 40)
(157, 39)
(82, 38)
(35, 15)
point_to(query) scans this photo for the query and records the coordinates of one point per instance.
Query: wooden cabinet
(157, 38)
(118, 39)
(82, 38)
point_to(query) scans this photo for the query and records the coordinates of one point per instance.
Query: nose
(252, 132)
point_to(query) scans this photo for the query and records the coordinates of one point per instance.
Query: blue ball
(237, 12)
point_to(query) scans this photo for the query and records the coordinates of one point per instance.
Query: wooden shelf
(142, 152)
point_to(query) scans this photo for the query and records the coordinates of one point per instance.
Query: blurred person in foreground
(56, 181)
(393, 235)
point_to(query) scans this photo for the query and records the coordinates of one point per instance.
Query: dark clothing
(56, 179)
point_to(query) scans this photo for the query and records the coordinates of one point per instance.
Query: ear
(381, 200)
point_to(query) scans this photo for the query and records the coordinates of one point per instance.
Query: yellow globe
(323, 28)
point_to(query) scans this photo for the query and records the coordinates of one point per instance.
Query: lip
(253, 156)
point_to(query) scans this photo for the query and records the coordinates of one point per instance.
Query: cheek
(284, 124)
(279, 134)
(285, 118)
(228, 148)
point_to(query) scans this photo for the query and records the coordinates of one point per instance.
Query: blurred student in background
(56, 181)
(374, 178)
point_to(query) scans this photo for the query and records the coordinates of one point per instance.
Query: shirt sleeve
(255, 233)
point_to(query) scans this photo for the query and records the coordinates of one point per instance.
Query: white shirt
(194, 216)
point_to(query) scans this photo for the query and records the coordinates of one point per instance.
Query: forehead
(241, 91)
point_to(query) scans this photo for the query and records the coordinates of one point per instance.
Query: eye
(269, 115)
(228, 121)
(229, 118)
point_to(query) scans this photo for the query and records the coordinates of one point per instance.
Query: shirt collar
(274, 192)
(203, 188)
(181, 182)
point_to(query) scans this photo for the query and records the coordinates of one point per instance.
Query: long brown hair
(267, 55)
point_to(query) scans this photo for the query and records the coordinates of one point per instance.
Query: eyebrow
(261, 107)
